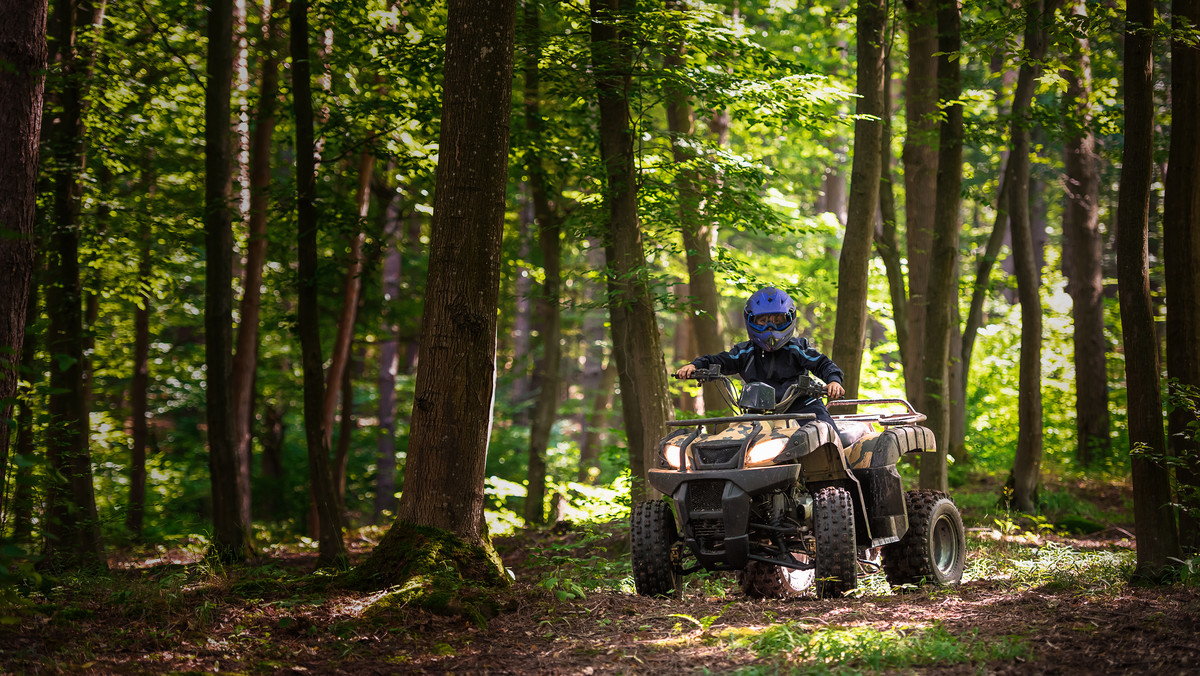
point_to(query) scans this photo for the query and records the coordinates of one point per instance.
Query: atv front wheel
(767, 581)
(652, 539)
(934, 549)
(837, 554)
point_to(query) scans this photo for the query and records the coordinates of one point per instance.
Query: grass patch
(796, 648)
(1055, 566)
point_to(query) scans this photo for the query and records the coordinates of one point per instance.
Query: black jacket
(778, 368)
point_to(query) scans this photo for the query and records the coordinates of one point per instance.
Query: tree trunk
(444, 472)
(230, 537)
(942, 286)
(389, 363)
(920, 158)
(22, 500)
(1153, 515)
(699, 235)
(139, 384)
(331, 550)
(886, 242)
(1181, 241)
(1082, 248)
(245, 361)
(548, 373)
(72, 526)
(855, 259)
(983, 273)
(23, 50)
(1027, 463)
(636, 338)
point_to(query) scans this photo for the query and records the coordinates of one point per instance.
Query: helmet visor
(771, 321)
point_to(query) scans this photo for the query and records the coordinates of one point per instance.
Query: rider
(773, 356)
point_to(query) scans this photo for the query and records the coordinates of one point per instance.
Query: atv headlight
(674, 456)
(764, 452)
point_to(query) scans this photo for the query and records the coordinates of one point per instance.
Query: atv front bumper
(714, 508)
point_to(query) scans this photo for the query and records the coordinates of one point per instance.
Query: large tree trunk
(444, 473)
(1026, 470)
(1082, 247)
(1153, 515)
(641, 371)
(230, 537)
(920, 158)
(23, 500)
(548, 368)
(699, 235)
(942, 285)
(72, 525)
(245, 361)
(855, 259)
(23, 49)
(331, 550)
(1181, 240)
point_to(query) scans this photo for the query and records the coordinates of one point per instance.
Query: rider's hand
(685, 371)
(835, 390)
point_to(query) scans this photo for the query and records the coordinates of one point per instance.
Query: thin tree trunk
(1181, 239)
(1026, 472)
(983, 272)
(139, 384)
(22, 82)
(245, 361)
(861, 211)
(549, 367)
(943, 251)
(22, 500)
(1153, 515)
(331, 550)
(1082, 249)
(230, 537)
(886, 242)
(389, 362)
(72, 526)
(636, 338)
(920, 158)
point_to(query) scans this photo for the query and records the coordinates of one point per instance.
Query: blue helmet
(770, 318)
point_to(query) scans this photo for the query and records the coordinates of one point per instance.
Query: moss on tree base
(432, 569)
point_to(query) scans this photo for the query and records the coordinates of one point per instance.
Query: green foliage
(795, 647)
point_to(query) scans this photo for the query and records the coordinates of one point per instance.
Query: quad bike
(786, 501)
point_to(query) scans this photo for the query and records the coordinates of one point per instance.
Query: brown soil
(260, 620)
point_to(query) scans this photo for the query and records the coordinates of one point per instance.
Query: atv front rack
(908, 417)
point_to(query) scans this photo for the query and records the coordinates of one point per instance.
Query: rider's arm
(731, 361)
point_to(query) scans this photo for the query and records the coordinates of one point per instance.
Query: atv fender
(873, 462)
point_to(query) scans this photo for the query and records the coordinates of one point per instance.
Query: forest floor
(1031, 604)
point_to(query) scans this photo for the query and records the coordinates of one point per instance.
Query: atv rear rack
(908, 417)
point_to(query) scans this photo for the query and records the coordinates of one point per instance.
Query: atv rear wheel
(767, 581)
(652, 541)
(837, 559)
(934, 549)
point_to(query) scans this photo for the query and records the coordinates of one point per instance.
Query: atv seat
(851, 431)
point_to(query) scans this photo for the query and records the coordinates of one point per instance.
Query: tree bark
(641, 370)
(444, 472)
(139, 384)
(1082, 248)
(547, 221)
(920, 157)
(1027, 463)
(331, 550)
(389, 363)
(22, 500)
(22, 82)
(886, 242)
(943, 251)
(72, 525)
(699, 236)
(245, 360)
(1181, 242)
(230, 537)
(1153, 515)
(861, 211)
